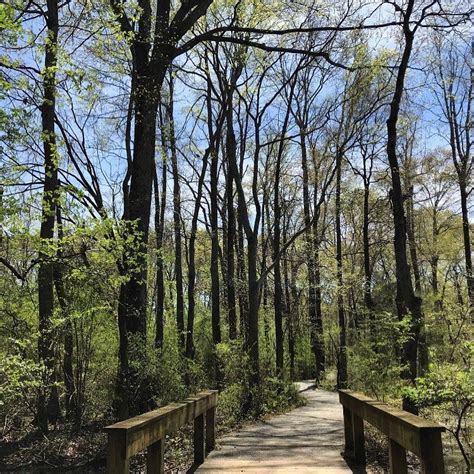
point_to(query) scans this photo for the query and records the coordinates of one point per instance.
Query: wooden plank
(348, 433)
(403, 427)
(199, 440)
(405, 418)
(138, 422)
(359, 438)
(398, 458)
(210, 429)
(155, 458)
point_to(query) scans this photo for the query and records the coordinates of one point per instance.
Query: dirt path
(307, 439)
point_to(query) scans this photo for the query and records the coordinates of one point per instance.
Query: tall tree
(452, 72)
(408, 304)
(48, 406)
(153, 48)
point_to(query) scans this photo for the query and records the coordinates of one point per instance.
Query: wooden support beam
(155, 457)
(148, 431)
(210, 429)
(405, 431)
(398, 458)
(359, 438)
(199, 440)
(348, 433)
(117, 460)
(432, 460)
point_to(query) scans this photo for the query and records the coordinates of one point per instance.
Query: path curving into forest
(307, 439)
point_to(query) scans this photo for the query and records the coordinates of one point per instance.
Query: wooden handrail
(404, 430)
(147, 431)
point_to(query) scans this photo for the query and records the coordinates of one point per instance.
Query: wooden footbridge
(324, 436)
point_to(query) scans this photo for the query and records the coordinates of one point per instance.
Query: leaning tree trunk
(422, 342)
(192, 261)
(407, 302)
(211, 150)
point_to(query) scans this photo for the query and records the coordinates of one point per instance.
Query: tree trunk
(211, 150)
(242, 278)
(342, 351)
(215, 288)
(49, 202)
(71, 405)
(132, 396)
(230, 257)
(412, 241)
(467, 243)
(407, 301)
(434, 256)
(366, 244)
(178, 256)
(160, 207)
(253, 292)
(314, 292)
(152, 49)
(293, 312)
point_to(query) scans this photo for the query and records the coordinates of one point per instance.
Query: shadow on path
(307, 439)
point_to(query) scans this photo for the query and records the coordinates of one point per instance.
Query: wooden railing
(404, 430)
(147, 431)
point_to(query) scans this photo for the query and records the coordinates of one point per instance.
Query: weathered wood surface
(309, 439)
(147, 431)
(405, 431)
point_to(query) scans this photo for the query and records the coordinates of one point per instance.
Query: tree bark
(242, 278)
(152, 48)
(366, 244)
(407, 302)
(48, 212)
(211, 150)
(215, 285)
(178, 247)
(342, 350)
(231, 155)
(160, 205)
(71, 400)
(314, 291)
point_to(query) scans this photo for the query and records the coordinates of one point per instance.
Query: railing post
(432, 459)
(398, 458)
(359, 439)
(117, 460)
(210, 429)
(348, 434)
(199, 447)
(155, 459)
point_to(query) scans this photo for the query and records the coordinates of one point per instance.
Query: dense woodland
(234, 195)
